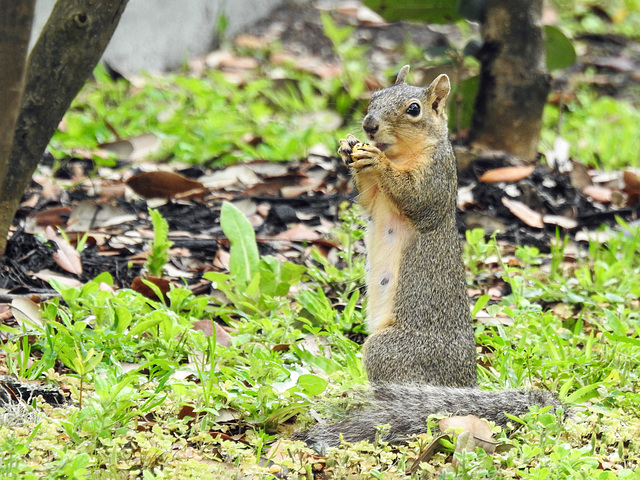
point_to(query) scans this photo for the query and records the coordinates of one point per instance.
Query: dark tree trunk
(68, 49)
(514, 81)
(15, 30)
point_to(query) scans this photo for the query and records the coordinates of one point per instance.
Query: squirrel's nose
(370, 125)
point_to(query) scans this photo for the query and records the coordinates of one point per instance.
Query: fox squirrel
(420, 354)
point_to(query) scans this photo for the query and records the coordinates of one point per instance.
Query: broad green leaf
(155, 289)
(312, 384)
(559, 49)
(622, 339)
(276, 277)
(583, 394)
(428, 11)
(159, 254)
(104, 277)
(480, 303)
(92, 360)
(317, 304)
(514, 418)
(122, 319)
(116, 389)
(564, 390)
(144, 325)
(244, 260)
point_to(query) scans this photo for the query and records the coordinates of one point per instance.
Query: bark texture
(15, 30)
(68, 49)
(514, 81)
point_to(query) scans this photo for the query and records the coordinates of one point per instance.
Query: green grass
(140, 364)
(581, 16)
(601, 131)
(205, 119)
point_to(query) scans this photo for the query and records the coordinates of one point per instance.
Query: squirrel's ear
(438, 92)
(402, 74)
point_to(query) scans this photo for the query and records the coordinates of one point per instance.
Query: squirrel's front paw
(365, 156)
(346, 148)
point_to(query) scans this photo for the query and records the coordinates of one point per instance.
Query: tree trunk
(68, 49)
(514, 81)
(15, 30)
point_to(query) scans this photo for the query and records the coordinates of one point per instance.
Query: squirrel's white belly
(387, 236)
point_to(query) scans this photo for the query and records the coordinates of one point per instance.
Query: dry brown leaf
(599, 236)
(88, 215)
(579, 175)
(631, 186)
(486, 222)
(5, 314)
(46, 275)
(273, 186)
(27, 313)
(111, 190)
(134, 148)
(225, 59)
(279, 452)
(478, 430)
(221, 260)
(311, 64)
(486, 319)
(164, 185)
(66, 257)
(466, 442)
(207, 327)
(298, 233)
(316, 345)
(561, 221)
(597, 193)
(477, 426)
(236, 174)
(368, 17)
(30, 202)
(506, 174)
(253, 42)
(527, 215)
(311, 183)
(268, 169)
(619, 62)
(55, 217)
(50, 190)
(281, 347)
(139, 286)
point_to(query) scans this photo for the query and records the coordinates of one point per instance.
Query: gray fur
(405, 407)
(432, 321)
(423, 361)
(431, 312)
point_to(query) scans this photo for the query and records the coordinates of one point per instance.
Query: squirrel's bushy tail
(405, 407)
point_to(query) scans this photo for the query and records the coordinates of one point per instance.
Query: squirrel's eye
(413, 110)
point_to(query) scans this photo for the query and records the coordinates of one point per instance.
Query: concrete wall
(159, 35)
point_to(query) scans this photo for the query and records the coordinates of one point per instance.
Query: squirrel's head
(403, 119)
